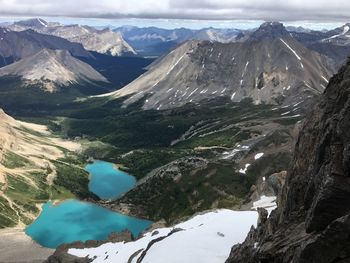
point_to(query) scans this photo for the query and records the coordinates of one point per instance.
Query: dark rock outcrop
(61, 254)
(312, 221)
(269, 30)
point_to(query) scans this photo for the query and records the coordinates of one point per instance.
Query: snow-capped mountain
(53, 68)
(102, 41)
(18, 45)
(268, 67)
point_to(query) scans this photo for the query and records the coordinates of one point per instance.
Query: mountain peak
(33, 22)
(269, 30)
(57, 67)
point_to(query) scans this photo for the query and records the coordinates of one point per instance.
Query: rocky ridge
(312, 221)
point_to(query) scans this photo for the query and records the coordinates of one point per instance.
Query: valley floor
(14, 244)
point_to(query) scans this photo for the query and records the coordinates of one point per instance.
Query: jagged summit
(269, 30)
(57, 67)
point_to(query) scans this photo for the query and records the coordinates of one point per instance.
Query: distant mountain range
(153, 41)
(102, 41)
(268, 66)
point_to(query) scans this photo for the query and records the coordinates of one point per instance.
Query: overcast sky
(183, 12)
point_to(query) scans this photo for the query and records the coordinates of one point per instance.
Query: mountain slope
(274, 69)
(28, 170)
(312, 221)
(56, 66)
(102, 41)
(105, 42)
(18, 45)
(338, 36)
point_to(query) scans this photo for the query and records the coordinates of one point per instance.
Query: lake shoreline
(92, 221)
(17, 247)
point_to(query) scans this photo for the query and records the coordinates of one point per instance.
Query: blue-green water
(73, 220)
(107, 182)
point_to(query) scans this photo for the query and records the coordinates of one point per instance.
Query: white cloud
(292, 10)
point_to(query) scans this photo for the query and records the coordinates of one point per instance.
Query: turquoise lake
(73, 220)
(107, 182)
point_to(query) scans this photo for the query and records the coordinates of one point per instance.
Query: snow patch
(258, 156)
(177, 62)
(285, 113)
(244, 170)
(267, 202)
(291, 49)
(326, 80)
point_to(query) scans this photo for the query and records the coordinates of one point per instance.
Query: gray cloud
(288, 10)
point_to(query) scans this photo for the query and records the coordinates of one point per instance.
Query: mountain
(311, 223)
(53, 67)
(339, 36)
(43, 65)
(17, 45)
(297, 29)
(35, 23)
(333, 43)
(103, 41)
(154, 41)
(269, 31)
(268, 67)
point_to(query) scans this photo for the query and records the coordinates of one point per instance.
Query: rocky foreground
(312, 221)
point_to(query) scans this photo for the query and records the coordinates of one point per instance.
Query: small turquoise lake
(73, 220)
(107, 181)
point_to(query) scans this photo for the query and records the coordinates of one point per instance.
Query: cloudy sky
(182, 12)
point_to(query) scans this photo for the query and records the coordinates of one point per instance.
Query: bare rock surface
(312, 221)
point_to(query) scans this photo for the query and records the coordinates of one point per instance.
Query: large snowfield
(205, 238)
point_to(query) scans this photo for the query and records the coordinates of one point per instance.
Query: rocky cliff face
(312, 221)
